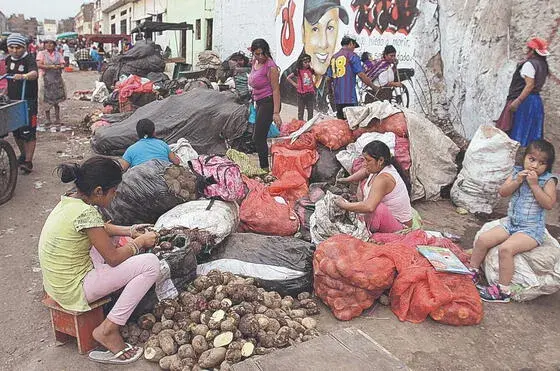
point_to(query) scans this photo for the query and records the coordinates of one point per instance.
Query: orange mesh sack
(261, 213)
(304, 141)
(284, 159)
(290, 186)
(395, 124)
(333, 134)
(350, 274)
(288, 128)
(465, 308)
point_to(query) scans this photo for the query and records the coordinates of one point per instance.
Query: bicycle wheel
(8, 171)
(400, 96)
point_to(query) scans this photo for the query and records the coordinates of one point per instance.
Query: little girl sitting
(76, 274)
(533, 190)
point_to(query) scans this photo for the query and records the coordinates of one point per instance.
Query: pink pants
(136, 274)
(381, 220)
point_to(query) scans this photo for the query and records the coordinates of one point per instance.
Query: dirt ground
(511, 336)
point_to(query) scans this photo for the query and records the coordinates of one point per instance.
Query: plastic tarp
(220, 220)
(206, 118)
(487, 164)
(537, 272)
(282, 264)
(327, 166)
(329, 220)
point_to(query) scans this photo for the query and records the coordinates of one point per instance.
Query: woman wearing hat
(523, 115)
(51, 63)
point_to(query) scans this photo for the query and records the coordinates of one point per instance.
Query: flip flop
(109, 357)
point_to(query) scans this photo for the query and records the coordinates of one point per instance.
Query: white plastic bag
(184, 151)
(488, 162)
(100, 93)
(347, 156)
(537, 272)
(220, 220)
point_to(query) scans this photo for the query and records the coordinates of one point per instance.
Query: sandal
(109, 357)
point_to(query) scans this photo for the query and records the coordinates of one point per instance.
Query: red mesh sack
(304, 141)
(356, 133)
(465, 308)
(416, 292)
(333, 134)
(284, 159)
(261, 213)
(291, 185)
(288, 128)
(395, 124)
(402, 153)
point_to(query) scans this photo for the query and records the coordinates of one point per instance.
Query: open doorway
(209, 29)
(183, 51)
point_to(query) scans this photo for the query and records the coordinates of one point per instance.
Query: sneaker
(494, 294)
(26, 167)
(475, 276)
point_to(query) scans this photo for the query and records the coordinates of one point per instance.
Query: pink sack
(218, 178)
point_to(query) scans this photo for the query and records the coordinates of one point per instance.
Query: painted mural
(315, 27)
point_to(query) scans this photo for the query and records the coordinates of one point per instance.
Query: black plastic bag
(326, 168)
(283, 264)
(144, 195)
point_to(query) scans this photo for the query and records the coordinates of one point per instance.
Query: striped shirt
(345, 65)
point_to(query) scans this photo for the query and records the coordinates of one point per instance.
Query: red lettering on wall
(288, 37)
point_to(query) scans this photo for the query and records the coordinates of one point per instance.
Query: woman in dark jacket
(523, 115)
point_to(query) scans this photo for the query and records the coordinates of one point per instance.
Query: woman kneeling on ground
(386, 202)
(75, 273)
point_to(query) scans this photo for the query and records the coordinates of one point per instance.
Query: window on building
(113, 28)
(209, 27)
(123, 12)
(112, 17)
(123, 26)
(198, 30)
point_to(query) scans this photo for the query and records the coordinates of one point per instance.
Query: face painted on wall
(320, 40)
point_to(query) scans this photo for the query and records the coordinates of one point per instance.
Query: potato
(263, 321)
(133, 339)
(173, 171)
(227, 277)
(199, 344)
(146, 321)
(213, 324)
(247, 349)
(169, 312)
(303, 296)
(153, 354)
(298, 313)
(249, 325)
(134, 330)
(152, 341)
(218, 315)
(228, 325)
(282, 337)
(209, 293)
(174, 186)
(210, 335)
(165, 362)
(168, 345)
(188, 363)
(182, 337)
(312, 332)
(267, 339)
(270, 313)
(261, 309)
(287, 302)
(144, 336)
(200, 330)
(168, 331)
(205, 317)
(237, 344)
(181, 316)
(186, 351)
(225, 304)
(223, 339)
(309, 323)
(263, 350)
(233, 355)
(176, 365)
(184, 194)
(212, 358)
(225, 366)
(273, 325)
(202, 283)
(195, 316)
(167, 324)
(125, 333)
(214, 304)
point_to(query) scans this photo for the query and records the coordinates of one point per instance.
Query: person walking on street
(345, 66)
(66, 53)
(264, 79)
(305, 86)
(23, 67)
(523, 115)
(51, 63)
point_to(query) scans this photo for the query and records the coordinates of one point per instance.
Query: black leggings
(305, 101)
(265, 111)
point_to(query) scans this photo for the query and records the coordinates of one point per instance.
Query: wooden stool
(68, 324)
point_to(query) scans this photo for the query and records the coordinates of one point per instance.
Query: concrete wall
(238, 22)
(463, 52)
(190, 11)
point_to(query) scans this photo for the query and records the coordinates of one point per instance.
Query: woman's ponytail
(96, 172)
(68, 172)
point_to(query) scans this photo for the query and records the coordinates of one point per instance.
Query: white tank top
(398, 200)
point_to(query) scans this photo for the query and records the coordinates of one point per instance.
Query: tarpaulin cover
(144, 195)
(282, 264)
(206, 118)
(262, 213)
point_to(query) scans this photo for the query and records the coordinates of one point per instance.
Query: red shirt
(305, 81)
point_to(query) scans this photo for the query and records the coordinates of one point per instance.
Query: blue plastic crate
(13, 116)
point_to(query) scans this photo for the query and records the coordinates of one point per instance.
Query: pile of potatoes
(220, 320)
(179, 237)
(181, 182)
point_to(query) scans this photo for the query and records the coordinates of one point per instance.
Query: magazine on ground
(443, 259)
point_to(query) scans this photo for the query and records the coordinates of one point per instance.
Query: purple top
(345, 65)
(259, 80)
